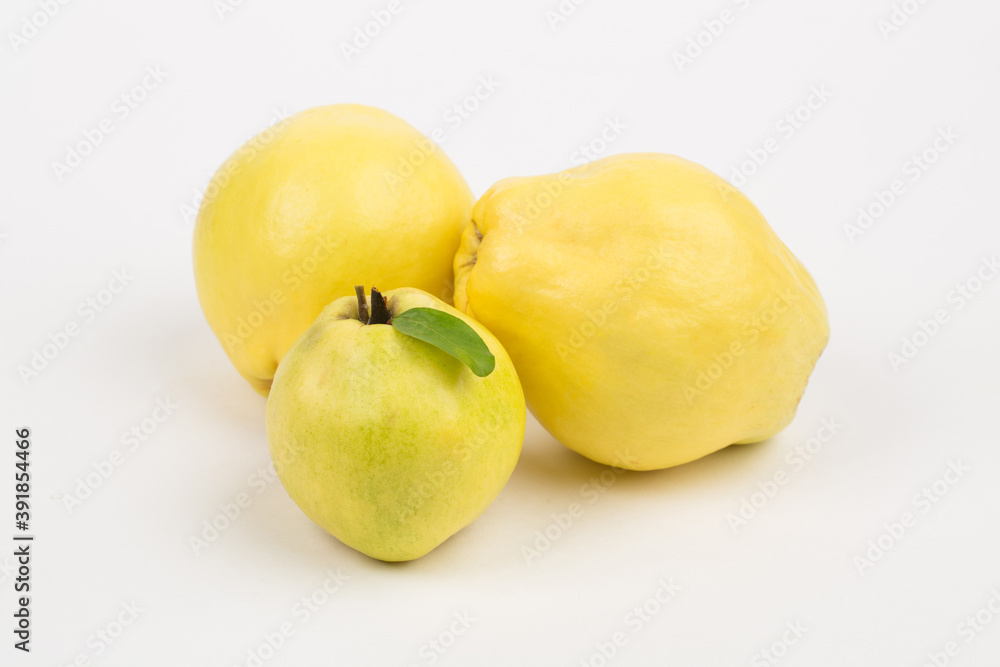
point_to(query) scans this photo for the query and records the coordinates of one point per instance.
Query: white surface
(794, 561)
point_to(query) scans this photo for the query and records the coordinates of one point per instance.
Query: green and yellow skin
(385, 441)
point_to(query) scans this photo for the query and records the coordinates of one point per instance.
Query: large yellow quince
(332, 197)
(652, 314)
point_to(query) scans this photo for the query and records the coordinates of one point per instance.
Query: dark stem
(380, 313)
(362, 304)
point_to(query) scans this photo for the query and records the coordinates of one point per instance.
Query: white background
(126, 207)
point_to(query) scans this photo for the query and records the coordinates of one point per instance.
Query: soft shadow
(548, 471)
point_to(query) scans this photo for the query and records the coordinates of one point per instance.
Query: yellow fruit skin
(332, 197)
(652, 314)
(385, 441)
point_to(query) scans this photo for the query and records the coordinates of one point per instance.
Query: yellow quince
(329, 198)
(652, 314)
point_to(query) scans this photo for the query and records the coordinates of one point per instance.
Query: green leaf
(449, 334)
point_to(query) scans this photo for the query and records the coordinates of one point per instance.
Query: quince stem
(380, 312)
(362, 304)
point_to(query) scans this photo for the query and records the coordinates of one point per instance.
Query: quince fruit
(329, 196)
(387, 442)
(652, 314)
